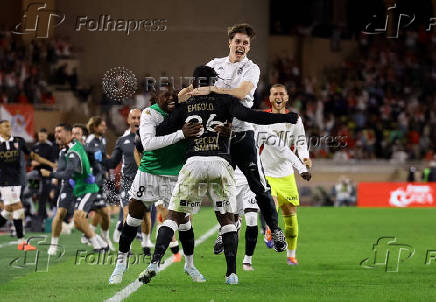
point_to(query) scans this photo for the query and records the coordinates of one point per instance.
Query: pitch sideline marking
(135, 285)
(8, 243)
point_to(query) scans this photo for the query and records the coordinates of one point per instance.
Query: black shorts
(86, 202)
(67, 201)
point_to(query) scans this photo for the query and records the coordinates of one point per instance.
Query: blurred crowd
(381, 101)
(26, 71)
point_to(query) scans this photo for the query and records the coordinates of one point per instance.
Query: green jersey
(168, 160)
(81, 185)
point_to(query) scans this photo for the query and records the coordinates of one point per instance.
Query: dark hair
(83, 127)
(4, 121)
(93, 123)
(278, 86)
(43, 130)
(203, 76)
(243, 28)
(67, 127)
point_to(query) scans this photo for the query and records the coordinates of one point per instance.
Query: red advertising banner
(21, 118)
(396, 194)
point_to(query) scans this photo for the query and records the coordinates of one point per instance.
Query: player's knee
(18, 214)
(133, 222)
(61, 213)
(251, 219)
(228, 228)
(136, 208)
(185, 226)
(171, 224)
(78, 215)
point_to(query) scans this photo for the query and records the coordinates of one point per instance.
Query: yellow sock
(291, 231)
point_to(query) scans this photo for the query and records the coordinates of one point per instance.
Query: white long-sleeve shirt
(150, 118)
(277, 157)
(231, 75)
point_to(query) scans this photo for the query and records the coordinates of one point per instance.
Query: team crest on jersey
(240, 70)
(147, 111)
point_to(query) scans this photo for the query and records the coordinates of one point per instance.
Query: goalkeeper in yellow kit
(278, 161)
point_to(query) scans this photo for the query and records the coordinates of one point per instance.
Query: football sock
(187, 240)
(164, 237)
(291, 231)
(18, 223)
(251, 233)
(128, 233)
(230, 240)
(174, 246)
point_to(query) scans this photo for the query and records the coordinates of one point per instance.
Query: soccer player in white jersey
(278, 159)
(238, 76)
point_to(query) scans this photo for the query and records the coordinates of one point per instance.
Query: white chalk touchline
(135, 285)
(8, 243)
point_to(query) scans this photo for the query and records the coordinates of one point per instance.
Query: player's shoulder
(90, 138)
(149, 113)
(252, 66)
(216, 61)
(19, 139)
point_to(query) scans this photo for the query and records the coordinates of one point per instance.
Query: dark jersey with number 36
(212, 110)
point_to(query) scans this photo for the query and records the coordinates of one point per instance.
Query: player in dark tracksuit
(96, 144)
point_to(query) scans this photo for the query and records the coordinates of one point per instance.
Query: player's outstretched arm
(42, 160)
(260, 117)
(184, 94)
(116, 156)
(73, 164)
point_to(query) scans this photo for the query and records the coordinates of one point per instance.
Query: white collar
(2, 140)
(244, 60)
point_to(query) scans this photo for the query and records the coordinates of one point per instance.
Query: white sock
(105, 234)
(94, 242)
(189, 261)
(247, 259)
(20, 240)
(173, 244)
(92, 227)
(145, 238)
(122, 257)
(54, 240)
(291, 253)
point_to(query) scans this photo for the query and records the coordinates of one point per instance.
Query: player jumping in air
(238, 76)
(207, 168)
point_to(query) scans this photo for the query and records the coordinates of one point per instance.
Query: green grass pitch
(332, 244)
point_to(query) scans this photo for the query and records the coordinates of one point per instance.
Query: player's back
(210, 111)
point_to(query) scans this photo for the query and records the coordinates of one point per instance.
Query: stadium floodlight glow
(119, 83)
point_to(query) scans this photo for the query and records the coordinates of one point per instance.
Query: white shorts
(245, 199)
(10, 194)
(204, 178)
(150, 188)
